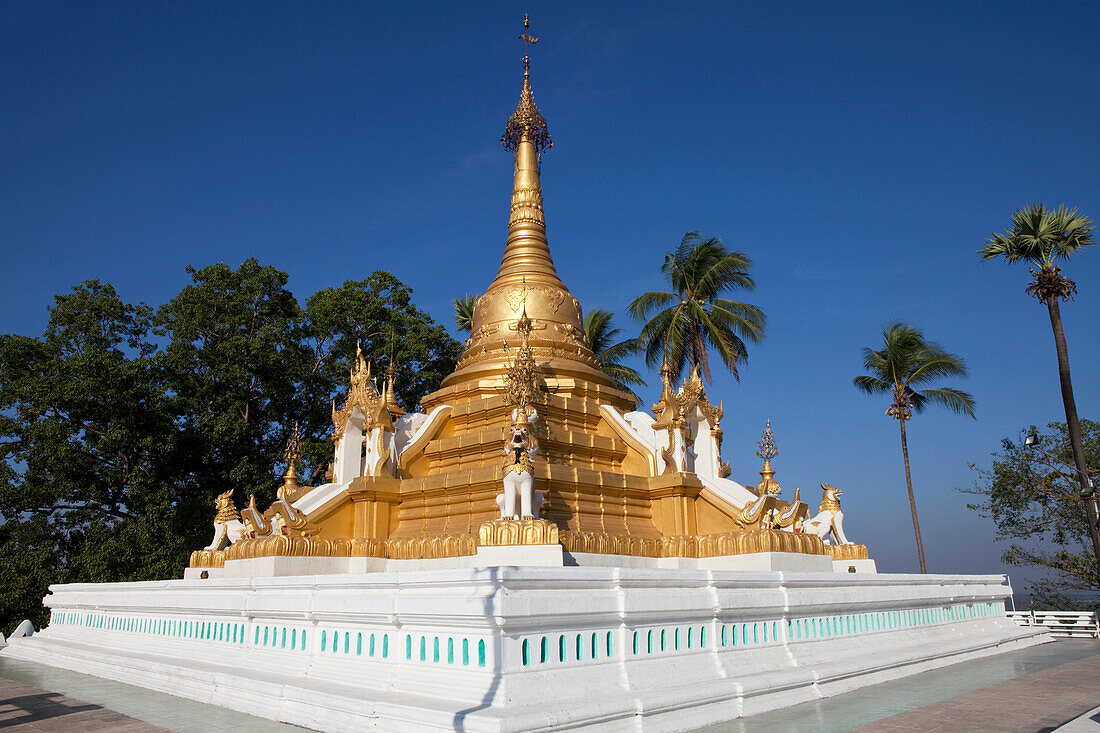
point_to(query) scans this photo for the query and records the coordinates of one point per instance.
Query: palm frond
(598, 330)
(953, 399)
(616, 353)
(746, 320)
(682, 325)
(908, 359)
(1040, 236)
(730, 348)
(646, 303)
(871, 385)
(626, 378)
(663, 334)
(729, 272)
(464, 311)
(936, 364)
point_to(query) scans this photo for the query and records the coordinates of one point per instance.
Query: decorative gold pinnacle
(767, 449)
(526, 122)
(666, 409)
(292, 454)
(521, 377)
(392, 404)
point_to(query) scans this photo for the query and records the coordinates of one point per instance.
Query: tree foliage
(1041, 236)
(1032, 496)
(121, 422)
(682, 324)
(464, 311)
(905, 362)
(601, 337)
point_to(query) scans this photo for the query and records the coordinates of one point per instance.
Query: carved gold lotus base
(847, 552)
(744, 543)
(517, 532)
(297, 546)
(711, 545)
(531, 532)
(415, 548)
(208, 559)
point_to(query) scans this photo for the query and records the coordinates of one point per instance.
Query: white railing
(1082, 624)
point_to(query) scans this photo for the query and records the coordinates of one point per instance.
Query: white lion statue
(830, 518)
(228, 527)
(519, 481)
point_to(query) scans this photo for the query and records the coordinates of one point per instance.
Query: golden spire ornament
(526, 121)
(521, 377)
(390, 389)
(291, 455)
(767, 451)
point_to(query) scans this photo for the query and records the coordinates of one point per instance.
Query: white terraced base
(511, 649)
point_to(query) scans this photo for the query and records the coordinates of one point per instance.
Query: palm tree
(683, 323)
(601, 336)
(464, 311)
(1040, 236)
(906, 362)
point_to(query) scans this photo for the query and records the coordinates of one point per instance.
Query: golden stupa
(614, 481)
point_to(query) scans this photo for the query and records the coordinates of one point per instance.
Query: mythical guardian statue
(228, 527)
(830, 517)
(519, 481)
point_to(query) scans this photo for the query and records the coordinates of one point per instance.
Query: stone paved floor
(1087, 723)
(1041, 687)
(1041, 701)
(1031, 690)
(35, 698)
(25, 709)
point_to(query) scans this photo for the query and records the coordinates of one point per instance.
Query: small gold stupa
(611, 481)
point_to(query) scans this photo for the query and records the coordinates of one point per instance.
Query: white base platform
(522, 649)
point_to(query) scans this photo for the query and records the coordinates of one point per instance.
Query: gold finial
(292, 454)
(526, 121)
(392, 405)
(666, 409)
(521, 377)
(527, 39)
(767, 449)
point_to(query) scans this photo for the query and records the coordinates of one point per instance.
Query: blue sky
(859, 152)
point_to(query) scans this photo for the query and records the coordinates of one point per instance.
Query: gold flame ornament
(767, 451)
(521, 377)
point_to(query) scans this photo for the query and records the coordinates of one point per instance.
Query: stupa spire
(526, 252)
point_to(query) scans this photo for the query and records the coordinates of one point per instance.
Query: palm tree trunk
(912, 500)
(1088, 495)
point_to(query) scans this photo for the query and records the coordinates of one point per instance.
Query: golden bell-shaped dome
(527, 279)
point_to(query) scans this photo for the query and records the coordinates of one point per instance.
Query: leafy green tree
(95, 483)
(235, 358)
(1032, 495)
(112, 447)
(464, 311)
(1040, 237)
(905, 362)
(32, 562)
(681, 324)
(377, 315)
(601, 337)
